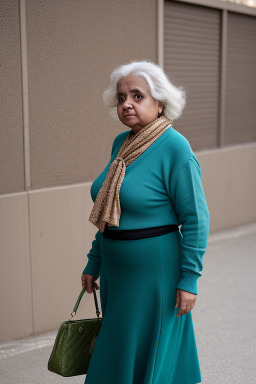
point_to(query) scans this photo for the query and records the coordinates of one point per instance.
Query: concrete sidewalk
(223, 320)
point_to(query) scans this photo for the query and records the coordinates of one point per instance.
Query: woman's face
(136, 107)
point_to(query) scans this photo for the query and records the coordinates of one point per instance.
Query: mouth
(130, 115)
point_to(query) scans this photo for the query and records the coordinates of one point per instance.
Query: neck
(135, 131)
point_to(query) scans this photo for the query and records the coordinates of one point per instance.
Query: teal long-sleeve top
(162, 186)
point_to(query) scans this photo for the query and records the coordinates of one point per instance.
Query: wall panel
(11, 124)
(72, 48)
(231, 199)
(61, 237)
(192, 60)
(15, 271)
(240, 124)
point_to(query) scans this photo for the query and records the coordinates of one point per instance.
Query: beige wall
(45, 236)
(229, 182)
(44, 231)
(15, 271)
(11, 126)
(72, 49)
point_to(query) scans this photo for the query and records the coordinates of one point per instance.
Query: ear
(160, 107)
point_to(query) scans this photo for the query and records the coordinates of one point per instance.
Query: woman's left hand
(185, 300)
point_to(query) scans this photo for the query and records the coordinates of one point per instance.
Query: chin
(128, 125)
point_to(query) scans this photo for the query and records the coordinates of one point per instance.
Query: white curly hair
(173, 98)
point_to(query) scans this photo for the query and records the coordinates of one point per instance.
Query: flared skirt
(141, 340)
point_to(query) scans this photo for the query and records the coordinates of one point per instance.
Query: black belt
(135, 234)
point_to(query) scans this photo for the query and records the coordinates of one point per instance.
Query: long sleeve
(192, 213)
(94, 257)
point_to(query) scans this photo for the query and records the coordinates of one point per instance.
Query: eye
(138, 96)
(120, 99)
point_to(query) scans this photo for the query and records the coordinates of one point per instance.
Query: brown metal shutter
(240, 122)
(192, 60)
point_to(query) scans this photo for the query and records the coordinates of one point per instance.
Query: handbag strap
(73, 313)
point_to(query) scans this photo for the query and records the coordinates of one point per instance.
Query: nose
(127, 103)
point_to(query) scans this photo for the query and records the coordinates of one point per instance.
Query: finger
(177, 299)
(83, 279)
(188, 310)
(96, 285)
(182, 310)
(185, 310)
(189, 305)
(89, 284)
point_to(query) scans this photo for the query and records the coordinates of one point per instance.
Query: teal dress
(141, 340)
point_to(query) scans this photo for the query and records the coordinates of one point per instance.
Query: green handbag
(74, 343)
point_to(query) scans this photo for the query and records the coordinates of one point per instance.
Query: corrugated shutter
(240, 119)
(192, 60)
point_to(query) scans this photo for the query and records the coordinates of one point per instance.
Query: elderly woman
(148, 266)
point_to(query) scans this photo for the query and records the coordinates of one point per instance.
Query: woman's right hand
(89, 282)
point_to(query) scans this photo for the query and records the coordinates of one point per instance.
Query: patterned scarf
(107, 207)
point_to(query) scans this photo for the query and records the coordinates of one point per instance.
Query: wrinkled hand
(89, 282)
(185, 300)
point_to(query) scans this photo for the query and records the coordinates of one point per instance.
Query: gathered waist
(136, 234)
